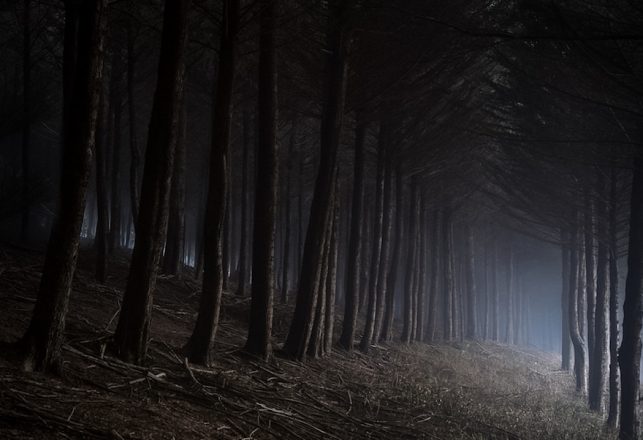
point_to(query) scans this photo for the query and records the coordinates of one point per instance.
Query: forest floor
(465, 390)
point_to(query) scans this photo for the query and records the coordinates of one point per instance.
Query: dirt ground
(467, 390)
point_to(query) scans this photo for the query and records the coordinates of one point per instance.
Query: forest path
(466, 390)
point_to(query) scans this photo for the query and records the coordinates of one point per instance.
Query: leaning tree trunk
(263, 253)
(629, 355)
(41, 345)
(205, 328)
(614, 380)
(132, 332)
(599, 370)
(301, 325)
(354, 256)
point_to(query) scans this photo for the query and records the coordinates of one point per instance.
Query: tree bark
(354, 256)
(614, 379)
(132, 332)
(599, 371)
(301, 325)
(378, 222)
(266, 203)
(198, 348)
(411, 263)
(102, 203)
(575, 308)
(135, 153)
(566, 341)
(629, 354)
(26, 121)
(41, 345)
(471, 327)
(172, 264)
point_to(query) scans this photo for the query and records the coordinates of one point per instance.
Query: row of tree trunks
(354, 253)
(301, 326)
(198, 348)
(132, 332)
(41, 345)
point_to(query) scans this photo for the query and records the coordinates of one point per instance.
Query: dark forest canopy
(422, 171)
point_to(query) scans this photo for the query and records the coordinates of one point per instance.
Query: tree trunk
(435, 277)
(354, 256)
(26, 121)
(41, 345)
(378, 221)
(331, 280)
(301, 324)
(599, 370)
(421, 290)
(172, 263)
(132, 332)
(389, 311)
(509, 335)
(115, 230)
(448, 286)
(471, 326)
(135, 153)
(285, 281)
(614, 380)
(495, 295)
(629, 355)
(566, 341)
(590, 281)
(243, 247)
(102, 203)
(575, 308)
(411, 262)
(266, 202)
(200, 342)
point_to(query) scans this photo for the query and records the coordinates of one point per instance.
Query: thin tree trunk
(102, 202)
(411, 263)
(566, 341)
(331, 280)
(629, 354)
(285, 281)
(389, 311)
(355, 255)
(132, 332)
(135, 153)
(590, 281)
(614, 379)
(198, 348)
(435, 277)
(266, 202)
(495, 295)
(599, 370)
(575, 312)
(41, 345)
(509, 336)
(471, 326)
(115, 230)
(448, 287)
(243, 247)
(421, 291)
